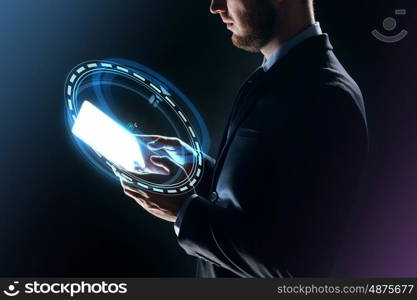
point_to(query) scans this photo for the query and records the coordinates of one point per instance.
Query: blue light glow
(115, 152)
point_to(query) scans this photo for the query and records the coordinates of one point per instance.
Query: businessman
(276, 201)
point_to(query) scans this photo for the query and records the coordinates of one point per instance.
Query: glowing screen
(108, 138)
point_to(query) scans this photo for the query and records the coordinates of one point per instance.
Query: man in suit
(276, 201)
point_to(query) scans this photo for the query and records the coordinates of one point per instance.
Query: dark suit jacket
(286, 177)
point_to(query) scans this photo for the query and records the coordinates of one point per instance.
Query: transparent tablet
(108, 138)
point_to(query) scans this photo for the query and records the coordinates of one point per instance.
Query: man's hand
(163, 156)
(156, 147)
(162, 206)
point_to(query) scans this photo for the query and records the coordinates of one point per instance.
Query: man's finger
(166, 163)
(145, 138)
(159, 163)
(136, 193)
(146, 203)
(149, 138)
(163, 142)
(133, 191)
(142, 202)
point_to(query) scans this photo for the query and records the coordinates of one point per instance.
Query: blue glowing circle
(161, 106)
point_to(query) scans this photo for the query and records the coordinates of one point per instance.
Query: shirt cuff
(181, 213)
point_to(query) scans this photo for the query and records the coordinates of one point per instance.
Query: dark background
(59, 217)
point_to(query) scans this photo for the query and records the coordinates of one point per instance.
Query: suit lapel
(235, 109)
(245, 101)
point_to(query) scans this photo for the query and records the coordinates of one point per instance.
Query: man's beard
(259, 23)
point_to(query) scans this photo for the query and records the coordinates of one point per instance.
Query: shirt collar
(312, 30)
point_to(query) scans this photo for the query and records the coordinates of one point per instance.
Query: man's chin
(245, 43)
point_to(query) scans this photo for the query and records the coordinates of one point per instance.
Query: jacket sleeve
(299, 231)
(201, 189)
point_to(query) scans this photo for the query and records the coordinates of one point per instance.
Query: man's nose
(218, 6)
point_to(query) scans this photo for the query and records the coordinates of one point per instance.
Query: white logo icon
(12, 291)
(390, 24)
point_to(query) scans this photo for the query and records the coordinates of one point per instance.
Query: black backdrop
(58, 217)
